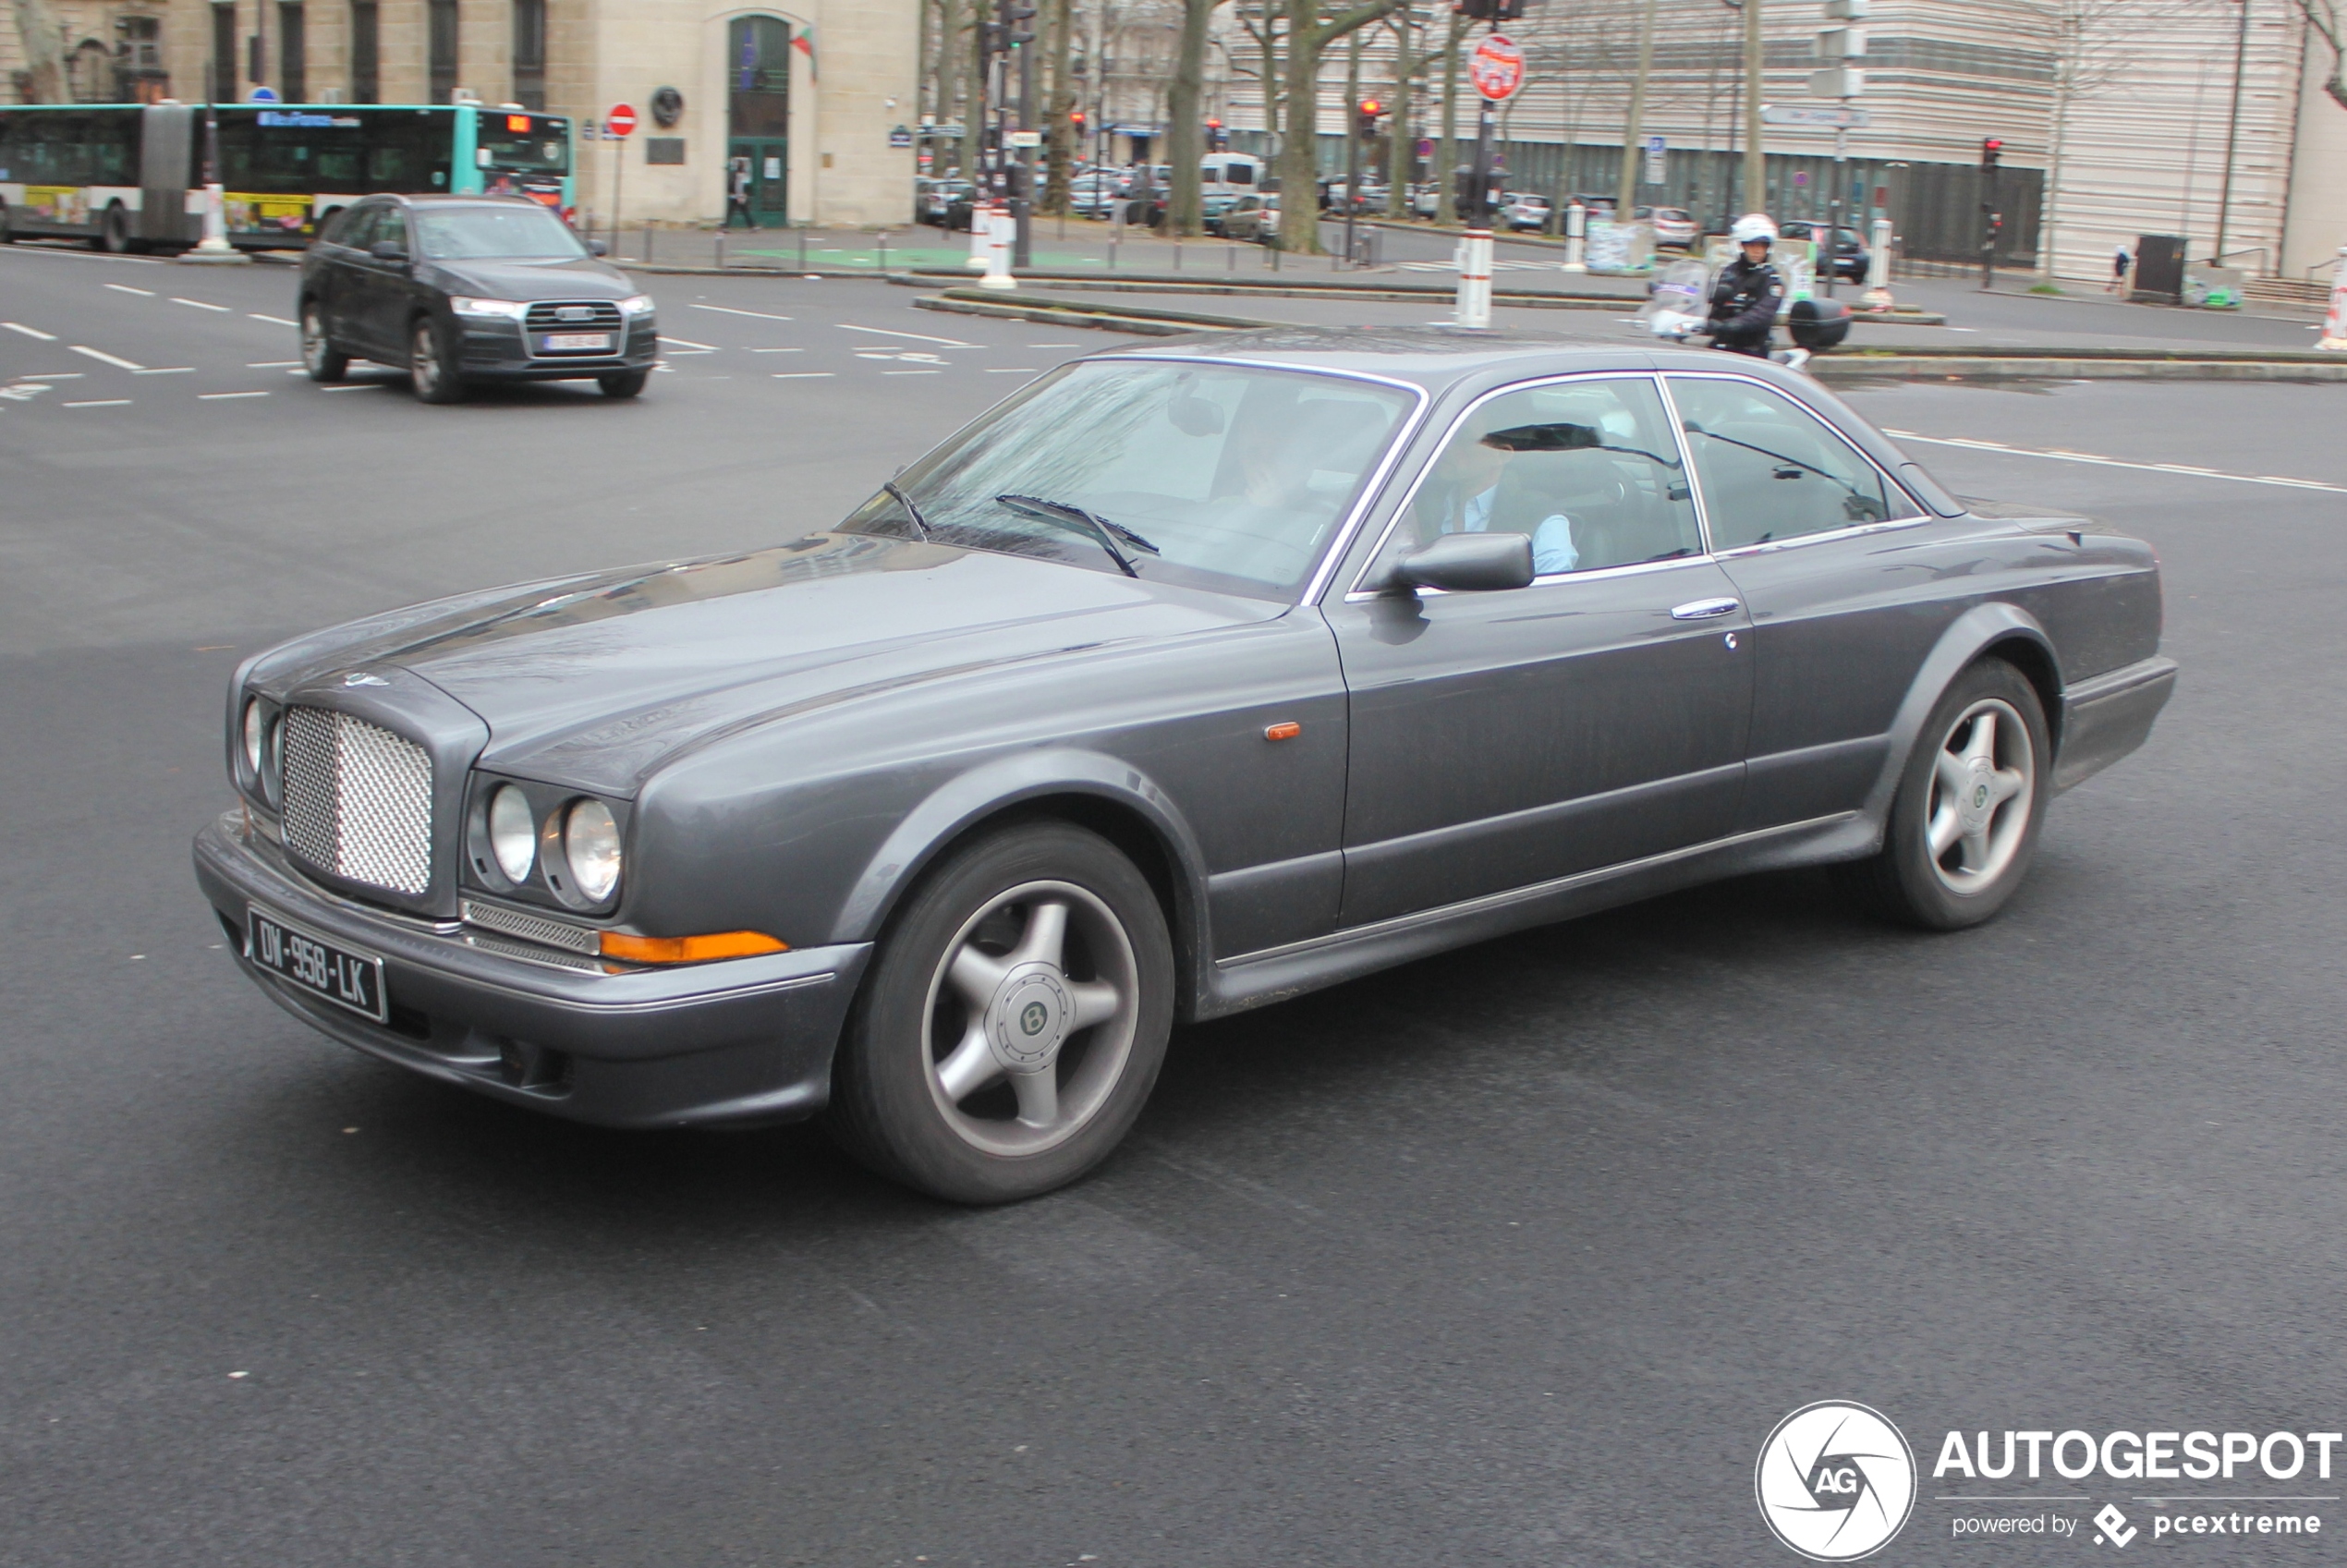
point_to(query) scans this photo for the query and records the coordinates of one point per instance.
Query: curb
(1141, 323)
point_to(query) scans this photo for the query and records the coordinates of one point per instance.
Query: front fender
(1002, 783)
(1972, 633)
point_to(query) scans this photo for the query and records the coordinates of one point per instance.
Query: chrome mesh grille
(358, 799)
(513, 922)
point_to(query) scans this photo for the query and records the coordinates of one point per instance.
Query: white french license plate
(573, 342)
(317, 966)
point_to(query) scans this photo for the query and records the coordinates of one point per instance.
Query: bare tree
(2326, 17)
(1185, 133)
(44, 77)
(1309, 35)
(1058, 104)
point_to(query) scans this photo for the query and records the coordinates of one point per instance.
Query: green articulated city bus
(130, 176)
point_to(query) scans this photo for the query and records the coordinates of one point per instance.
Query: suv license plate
(573, 342)
(348, 979)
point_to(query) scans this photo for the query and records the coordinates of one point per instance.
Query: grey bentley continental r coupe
(1193, 677)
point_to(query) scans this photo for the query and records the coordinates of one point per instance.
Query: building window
(138, 74)
(223, 53)
(293, 43)
(366, 71)
(530, 53)
(443, 18)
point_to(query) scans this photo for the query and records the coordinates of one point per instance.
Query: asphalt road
(1511, 1256)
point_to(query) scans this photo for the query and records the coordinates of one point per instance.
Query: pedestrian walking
(2120, 262)
(737, 193)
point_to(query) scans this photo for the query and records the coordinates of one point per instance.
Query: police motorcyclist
(1749, 291)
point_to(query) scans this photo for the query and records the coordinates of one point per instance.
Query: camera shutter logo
(1835, 1481)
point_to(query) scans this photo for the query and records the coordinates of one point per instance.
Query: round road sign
(1496, 69)
(621, 120)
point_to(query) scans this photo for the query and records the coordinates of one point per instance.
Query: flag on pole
(804, 41)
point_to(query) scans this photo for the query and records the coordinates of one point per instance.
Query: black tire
(1905, 880)
(319, 356)
(113, 231)
(7, 235)
(432, 369)
(623, 383)
(891, 1107)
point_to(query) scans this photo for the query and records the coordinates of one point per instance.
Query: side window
(1587, 468)
(344, 226)
(1771, 470)
(391, 224)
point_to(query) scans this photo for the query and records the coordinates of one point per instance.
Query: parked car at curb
(1521, 211)
(1674, 229)
(1255, 218)
(1194, 677)
(1850, 257)
(463, 289)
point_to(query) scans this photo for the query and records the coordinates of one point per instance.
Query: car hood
(584, 278)
(593, 682)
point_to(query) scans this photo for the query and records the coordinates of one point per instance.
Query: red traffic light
(1214, 125)
(1075, 116)
(1371, 106)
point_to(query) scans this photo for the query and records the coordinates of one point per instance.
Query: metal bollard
(1877, 294)
(1577, 238)
(1474, 307)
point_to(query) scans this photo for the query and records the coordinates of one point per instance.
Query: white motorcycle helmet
(1752, 226)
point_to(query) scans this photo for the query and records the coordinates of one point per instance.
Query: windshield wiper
(891, 488)
(1076, 520)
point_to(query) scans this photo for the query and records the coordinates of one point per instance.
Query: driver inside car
(1468, 492)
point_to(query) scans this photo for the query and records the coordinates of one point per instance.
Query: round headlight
(254, 728)
(591, 842)
(513, 832)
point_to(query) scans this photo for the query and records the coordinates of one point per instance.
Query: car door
(1506, 738)
(1845, 597)
(335, 256)
(380, 288)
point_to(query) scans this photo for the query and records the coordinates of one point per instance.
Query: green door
(768, 176)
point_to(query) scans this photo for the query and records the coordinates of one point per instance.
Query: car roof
(427, 198)
(1434, 358)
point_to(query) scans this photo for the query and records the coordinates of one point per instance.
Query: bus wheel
(7, 235)
(432, 365)
(113, 232)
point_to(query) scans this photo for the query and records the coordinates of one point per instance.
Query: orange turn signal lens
(688, 949)
(1287, 731)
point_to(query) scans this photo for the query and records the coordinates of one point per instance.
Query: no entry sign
(621, 120)
(1496, 69)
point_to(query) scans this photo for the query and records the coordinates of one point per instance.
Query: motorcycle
(1678, 308)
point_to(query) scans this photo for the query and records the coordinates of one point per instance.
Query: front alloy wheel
(1013, 1020)
(319, 356)
(432, 366)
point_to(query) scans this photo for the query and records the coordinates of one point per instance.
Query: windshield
(1235, 478)
(524, 142)
(523, 233)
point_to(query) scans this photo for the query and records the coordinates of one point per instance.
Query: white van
(1230, 174)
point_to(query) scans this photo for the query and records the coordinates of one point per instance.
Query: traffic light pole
(1352, 179)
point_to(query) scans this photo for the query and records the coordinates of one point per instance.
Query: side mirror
(387, 250)
(598, 247)
(1465, 563)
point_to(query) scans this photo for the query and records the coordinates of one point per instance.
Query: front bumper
(494, 349)
(742, 1042)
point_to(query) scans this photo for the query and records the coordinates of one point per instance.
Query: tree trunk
(2050, 224)
(1447, 150)
(949, 80)
(1755, 157)
(43, 46)
(1307, 39)
(1626, 200)
(1185, 133)
(1402, 143)
(1060, 143)
(1268, 43)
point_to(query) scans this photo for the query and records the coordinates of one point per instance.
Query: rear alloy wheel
(623, 383)
(113, 231)
(1964, 825)
(319, 356)
(432, 366)
(1013, 1021)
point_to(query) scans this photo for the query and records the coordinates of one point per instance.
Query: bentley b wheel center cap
(1027, 1022)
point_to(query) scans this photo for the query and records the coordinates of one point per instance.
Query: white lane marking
(2056, 456)
(98, 403)
(1055, 346)
(172, 371)
(912, 373)
(50, 375)
(216, 396)
(126, 288)
(915, 336)
(778, 350)
(354, 386)
(271, 364)
(106, 359)
(689, 343)
(29, 332)
(1010, 371)
(273, 320)
(728, 309)
(199, 304)
(803, 375)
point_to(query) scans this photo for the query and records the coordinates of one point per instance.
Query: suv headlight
(507, 309)
(636, 305)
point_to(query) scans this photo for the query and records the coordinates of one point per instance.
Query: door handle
(1705, 609)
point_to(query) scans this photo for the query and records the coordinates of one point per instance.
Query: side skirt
(1275, 974)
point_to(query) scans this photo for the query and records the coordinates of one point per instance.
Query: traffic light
(1370, 109)
(1076, 118)
(1213, 136)
(1494, 11)
(1991, 150)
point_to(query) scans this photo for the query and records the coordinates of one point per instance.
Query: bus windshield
(525, 143)
(514, 233)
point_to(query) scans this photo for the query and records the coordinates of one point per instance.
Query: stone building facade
(809, 93)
